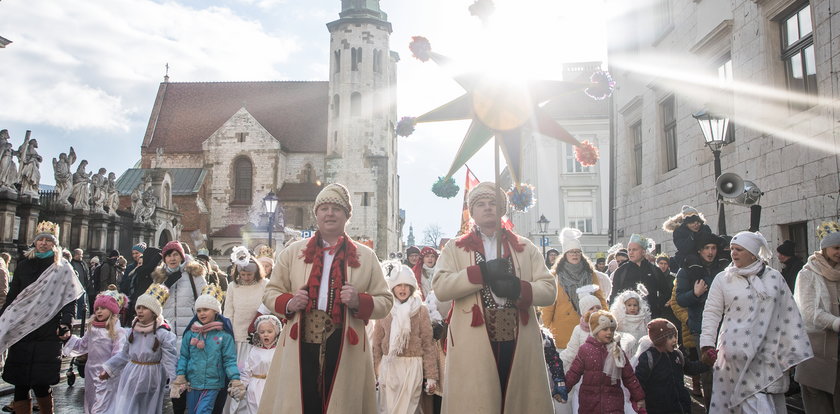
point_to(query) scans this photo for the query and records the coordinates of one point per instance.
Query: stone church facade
(234, 142)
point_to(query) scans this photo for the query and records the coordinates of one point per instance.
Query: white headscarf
(402, 312)
(756, 244)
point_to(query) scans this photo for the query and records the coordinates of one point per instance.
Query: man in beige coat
(327, 287)
(495, 361)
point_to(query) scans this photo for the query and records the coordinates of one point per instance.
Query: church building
(226, 145)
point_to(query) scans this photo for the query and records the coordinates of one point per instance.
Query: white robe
(99, 395)
(253, 375)
(142, 385)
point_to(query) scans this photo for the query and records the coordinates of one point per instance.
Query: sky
(86, 73)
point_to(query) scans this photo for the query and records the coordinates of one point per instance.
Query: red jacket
(597, 394)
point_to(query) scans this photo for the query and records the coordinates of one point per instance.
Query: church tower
(362, 145)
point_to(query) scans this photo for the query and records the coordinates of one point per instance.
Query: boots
(22, 407)
(46, 404)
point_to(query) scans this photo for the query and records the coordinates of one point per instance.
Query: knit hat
(687, 211)
(622, 252)
(335, 194)
(659, 330)
(173, 245)
(113, 254)
(486, 190)
(203, 254)
(154, 298)
(211, 298)
(600, 320)
(755, 243)
(140, 247)
(601, 260)
(647, 243)
(787, 248)
(110, 299)
(829, 232)
(586, 297)
(412, 250)
(570, 239)
(94, 259)
(47, 229)
(405, 276)
(428, 250)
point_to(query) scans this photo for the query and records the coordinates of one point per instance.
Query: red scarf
(472, 242)
(344, 255)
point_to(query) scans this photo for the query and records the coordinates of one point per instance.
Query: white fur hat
(405, 276)
(570, 239)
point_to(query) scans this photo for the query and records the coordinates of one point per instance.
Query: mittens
(559, 392)
(236, 389)
(178, 386)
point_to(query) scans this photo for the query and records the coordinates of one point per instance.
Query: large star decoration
(503, 109)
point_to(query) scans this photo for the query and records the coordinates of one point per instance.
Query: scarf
(471, 242)
(615, 362)
(818, 264)
(202, 330)
(97, 324)
(345, 255)
(401, 314)
(45, 254)
(572, 277)
(144, 328)
(750, 273)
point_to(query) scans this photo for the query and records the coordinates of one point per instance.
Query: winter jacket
(127, 281)
(208, 368)
(142, 278)
(420, 343)
(179, 308)
(4, 285)
(684, 241)
(661, 376)
(109, 274)
(686, 277)
(630, 274)
(241, 305)
(597, 393)
(791, 269)
(81, 269)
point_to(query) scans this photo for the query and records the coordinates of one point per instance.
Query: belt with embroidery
(145, 363)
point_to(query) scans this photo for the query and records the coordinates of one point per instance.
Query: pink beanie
(173, 245)
(107, 302)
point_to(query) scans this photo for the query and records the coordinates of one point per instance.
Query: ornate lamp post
(270, 201)
(714, 129)
(543, 226)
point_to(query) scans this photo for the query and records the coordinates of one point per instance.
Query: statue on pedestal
(144, 202)
(113, 196)
(81, 192)
(30, 164)
(8, 169)
(64, 178)
(98, 192)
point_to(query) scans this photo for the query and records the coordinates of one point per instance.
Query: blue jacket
(209, 368)
(692, 271)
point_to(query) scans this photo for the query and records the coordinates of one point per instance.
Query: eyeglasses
(574, 252)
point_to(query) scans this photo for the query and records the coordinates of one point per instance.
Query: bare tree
(432, 235)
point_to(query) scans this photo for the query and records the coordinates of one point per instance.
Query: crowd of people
(487, 324)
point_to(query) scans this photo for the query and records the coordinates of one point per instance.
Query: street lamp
(714, 129)
(270, 201)
(543, 224)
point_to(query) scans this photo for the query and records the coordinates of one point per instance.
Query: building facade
(768, 65)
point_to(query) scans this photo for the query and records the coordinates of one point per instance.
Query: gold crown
(826, 228)
(47, 227)
(213, 290)
(159, 292)
(266, 251)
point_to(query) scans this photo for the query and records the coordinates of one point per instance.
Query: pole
(499, 199)
(543, 243)
(721, 211)
(270, 227)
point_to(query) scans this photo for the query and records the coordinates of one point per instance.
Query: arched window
(242, 180)
(308, 174)
(337, 66)
(336, 106)
(355, 58)
(355, 104)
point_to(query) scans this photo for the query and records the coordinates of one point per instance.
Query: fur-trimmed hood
(675, 221)
(193, 268)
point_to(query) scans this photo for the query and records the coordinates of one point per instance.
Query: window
(240, 136)
(308, 174)
(355, 58)
(636, 131)
(299, 217)
(242, 170)
(798, 232)
(662, 14)
(355, 104)
(377, 61)
(336, 106)
(366, 199)
(798, 51)
(725, 79)
(668, 111)
(579, 215)
(572, 164)
(337, 58)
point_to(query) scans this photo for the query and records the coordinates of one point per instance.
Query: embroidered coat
(354, 389)
(472, 384)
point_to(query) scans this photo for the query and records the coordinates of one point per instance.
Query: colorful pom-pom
(522, 197)
(586, 154)
(405, 126)
(420, 48)
(445, 188)
(602, 85)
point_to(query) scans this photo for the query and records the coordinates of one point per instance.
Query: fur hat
(787, 248)
(405, 276)
(659, 330)
(211, 298)
(829, 233)
(47, 229)
(755, 243)
(173, 245)
(486, 190)
(586, 297)
(110, 299)
(335, 194)
(570, 239)
(154, 298)
(600, 320)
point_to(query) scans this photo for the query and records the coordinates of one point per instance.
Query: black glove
(495, 269)
(437, 330)
(507, 287)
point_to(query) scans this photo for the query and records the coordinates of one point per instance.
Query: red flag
(466, 222)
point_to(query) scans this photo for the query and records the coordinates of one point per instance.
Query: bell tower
(361, 142)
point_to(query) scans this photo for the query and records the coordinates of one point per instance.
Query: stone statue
(143, 201)
(98, 191)
(81, 192)
(113, 196)
(64, 178)
(137, 203)
(30, 164)
(8, 168)
(150, 201)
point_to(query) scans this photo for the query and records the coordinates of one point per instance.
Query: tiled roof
(185, 114)
(185, 181)
(298, 192)
(230, 231)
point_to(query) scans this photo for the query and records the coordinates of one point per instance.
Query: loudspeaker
(729, 185)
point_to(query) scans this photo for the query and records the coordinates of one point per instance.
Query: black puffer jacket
(36, 358)
(661, 376)
(142, 278)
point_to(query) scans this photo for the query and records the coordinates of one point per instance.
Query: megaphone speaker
(729, 185)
